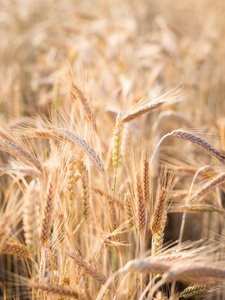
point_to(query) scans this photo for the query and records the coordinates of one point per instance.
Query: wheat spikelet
(128, 211)
(166, 98)
(89, 269)
(55, 289)
(194, 290)
(207, 187)
(116, 150)
(181, 134)
(15, 249)
(84, 146)
(202, 208)
(60, 228)
(31, 218)
(18, 151)
(77, 94)
(145, 179)
(85, 193)
(47, 213)
(140, 205)
(159, 216)
(71, 177)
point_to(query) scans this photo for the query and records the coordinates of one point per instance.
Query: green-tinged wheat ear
(31, 218)
(46, 221)
(71, 177)
(194, 290)
(116, 150)
(140, 205)
(128, 211)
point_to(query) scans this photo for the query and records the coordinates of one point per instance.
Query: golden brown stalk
(29, 171)
(165, 99)
(18, 151)
(85, 193)
(47, 213)
(195, 273)
(15, 249)
(145, 179)
(55, 289)
(194, 290)
(128, 211)
(140, 205)
(116, 150)
(89, 269)
(181, 134)
(207, 187)
(31, 218)
(77, 94)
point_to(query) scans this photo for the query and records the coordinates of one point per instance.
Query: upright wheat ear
(47, 213)
(128, 211)
(116, 151)
(85, 192)
(77, 94)
(31, 218)
(140, 205)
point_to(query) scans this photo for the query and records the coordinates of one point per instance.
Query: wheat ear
(181, 134)
(85, 193)
(89, 269)
(194, 290)
(15, 249)
(55, 289)
(116, 150)
(17, 150)
(166, 98)
(77, 94)
(207, 187)
(128, 211)
(145, 179)
(84, 146)
(47, 213)
(140, 205)
(31, 218)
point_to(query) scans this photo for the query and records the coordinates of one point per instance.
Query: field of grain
(112, 149)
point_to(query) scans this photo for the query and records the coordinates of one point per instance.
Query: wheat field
(112, 149)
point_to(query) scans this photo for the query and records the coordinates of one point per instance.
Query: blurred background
(114, 48)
